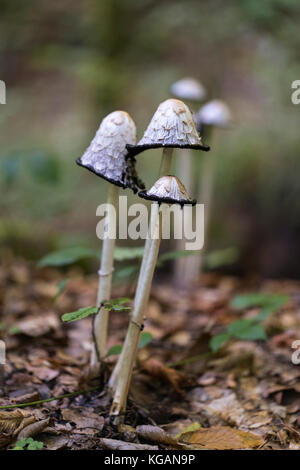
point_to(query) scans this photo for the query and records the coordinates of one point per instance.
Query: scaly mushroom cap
(188, 89)
(107, 154)
(171, 126)
(168, 189)
(214, 113)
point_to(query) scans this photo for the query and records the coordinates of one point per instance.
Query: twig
(59, 397)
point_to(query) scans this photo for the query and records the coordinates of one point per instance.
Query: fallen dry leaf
(157, 369)
(39, 326)
(10, 421)
(115, 444)
(222, 438)
(85, 419)
(55, 442)
(33, 429)
(156, 434)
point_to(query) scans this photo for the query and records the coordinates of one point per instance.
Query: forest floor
(183, 395)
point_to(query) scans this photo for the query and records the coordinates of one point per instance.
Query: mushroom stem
(165, 166)
(166, 161)
(100, 326)
(186, 171)
(192, 265)
(131, 343)
(205, 196)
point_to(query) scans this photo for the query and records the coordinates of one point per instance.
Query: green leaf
(114, 350)
(219, 258)
(79, 314)
(171, 255)
(126, 272)
(217, 341)
(35, 445)
(21, 444)
(123, 253)
(14, 330)
(61, 285)
(252, 333)
(116, 304)
(145, 339)
(258, 299)
(247, 329)
(66, 256)
(30, 443)
(10, 168)
(44, 167)
(264, 314)
(239, 326)
(191, 428)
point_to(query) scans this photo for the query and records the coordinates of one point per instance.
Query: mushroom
(215, 113)
(171, 126)
(107, 157)
(194, 92)
(188, 89)
(166, 189)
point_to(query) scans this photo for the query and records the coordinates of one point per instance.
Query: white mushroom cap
(188, 89)
(214, 113)
(168, 189)
(172, 125)
(107, 154)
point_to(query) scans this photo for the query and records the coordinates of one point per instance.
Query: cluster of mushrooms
(112, 156)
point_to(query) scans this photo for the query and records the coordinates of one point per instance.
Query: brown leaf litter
(247, 396)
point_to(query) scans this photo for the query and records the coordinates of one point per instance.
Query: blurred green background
(67, 64)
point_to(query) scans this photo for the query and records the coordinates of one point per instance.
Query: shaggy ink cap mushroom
(188, 89)
(168, 189)
(214, 113)
(107, 155)
(172, 125)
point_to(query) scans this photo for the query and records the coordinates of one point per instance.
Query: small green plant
(116, 304)
(249, 328)
(145, 339)
(66, 256)
(28, 444)
(60, 288)
(42, 166)
(12, 330)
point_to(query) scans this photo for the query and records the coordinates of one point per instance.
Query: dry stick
(133, 333)
(100, 325)
(46, 400)
(165, 167)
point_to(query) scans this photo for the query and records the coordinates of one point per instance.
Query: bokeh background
(67, 64)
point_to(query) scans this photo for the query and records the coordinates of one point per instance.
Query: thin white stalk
(131, 343)
(100, 326)
(165, 166)
(116, 372)
(166, 162)
(184, 165)
(193, 265)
